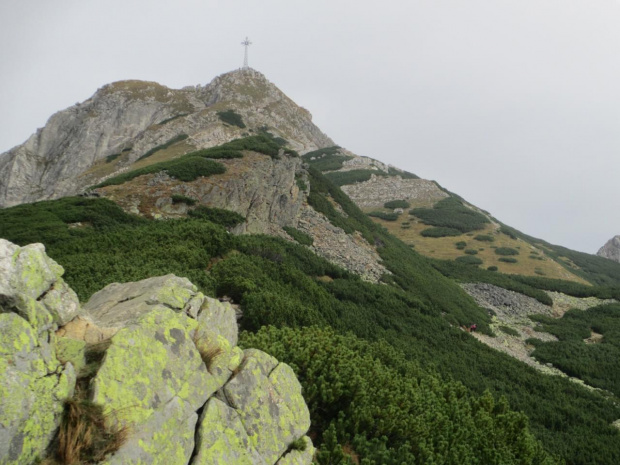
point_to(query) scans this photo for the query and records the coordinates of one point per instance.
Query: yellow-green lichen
(146, 365)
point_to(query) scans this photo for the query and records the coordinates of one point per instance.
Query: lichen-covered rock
(270, 405)
(301, 456)
(71, 350)
(33, 387)
(148, 365)
(222, 438)
(117, 305)
(170, 350)
(31, 286)
(62, 302)
(33, 383)
(219, 357)
(166, 438)
(220, 318)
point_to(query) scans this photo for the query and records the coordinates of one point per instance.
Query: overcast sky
(513, 104)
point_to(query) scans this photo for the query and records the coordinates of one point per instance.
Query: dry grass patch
(444, 248)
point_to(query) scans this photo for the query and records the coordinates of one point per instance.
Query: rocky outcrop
(34, 383)
(171, 375)
(351, 252)
(262, 190)
(380, 189)
(126, 119)
(611, 249)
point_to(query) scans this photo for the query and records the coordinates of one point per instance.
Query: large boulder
(31, 286)
(267, 397)
(117, 305)
(152, 382)
(33, 383)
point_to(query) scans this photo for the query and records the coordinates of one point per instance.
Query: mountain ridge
(248, 220)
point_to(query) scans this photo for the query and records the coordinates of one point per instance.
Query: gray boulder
(152, 382)
(31, 286)
(34, 383)
(117, 305)
(267, 396)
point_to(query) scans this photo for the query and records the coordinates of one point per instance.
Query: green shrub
(370, 396)
(469, 260)
(345, 178)
(451, 213)
(403, 174)
(301, 237)
(232, 118)
(460, 245)
(301, 184)
(484, 238)
(195, 164)
(508, 260)
(506, 251)
(219, 216)
(326, 159)
(165, 145)
(508, 330)
(492, 268)
(111, 158)
(387, 216)
(392, 204)
(471, 251)
(178, 198)
(172, 118)
(440, 232)
(216, 153)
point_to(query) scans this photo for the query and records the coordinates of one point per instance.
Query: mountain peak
(76, 147)
(611, 249)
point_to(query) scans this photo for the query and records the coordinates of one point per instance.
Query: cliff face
(611, 249)
(124, 120)
(156, 359)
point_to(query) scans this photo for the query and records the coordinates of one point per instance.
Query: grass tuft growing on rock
(83, 436)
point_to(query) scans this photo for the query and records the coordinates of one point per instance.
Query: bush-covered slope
(416, 310)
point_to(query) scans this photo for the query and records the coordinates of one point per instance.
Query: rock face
(262, 190)
(380, 189)
(611, 249)
(171, 374)
(125, 119)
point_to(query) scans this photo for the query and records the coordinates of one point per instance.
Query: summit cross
(246, 43)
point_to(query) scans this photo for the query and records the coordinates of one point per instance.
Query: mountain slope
(400, 201)
(183, 199)
(110, 131)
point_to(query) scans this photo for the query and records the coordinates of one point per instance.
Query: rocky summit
(124, 120)
(611, 249)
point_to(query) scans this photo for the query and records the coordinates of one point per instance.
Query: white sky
(512, 104)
